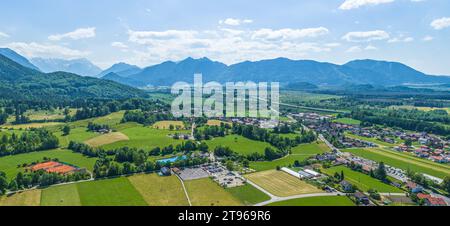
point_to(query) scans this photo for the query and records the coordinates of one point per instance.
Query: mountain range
(287, 71)
(77, 66)
(290, 73)
(19, 82)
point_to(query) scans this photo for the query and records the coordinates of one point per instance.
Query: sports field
(239, 144)
(8, 164)
(107, 139)
(317, 201)
(363, 181)
(160, 191)
(248, 194)
(205, 192)
(28, 198)
(281, 184)
(216, 123)
(299, 153)
(403, 161)
(167, 124)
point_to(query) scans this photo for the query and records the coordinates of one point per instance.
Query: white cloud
(235, 22)
(366, 36)
(428, 38)
(441, 23)
(3, 35)
(370, 47)
(119, 45)
(80, 33)
(354, 49)
(401, 38)
(226, 45)
(354, 4)
(34, 49)
(289, 34)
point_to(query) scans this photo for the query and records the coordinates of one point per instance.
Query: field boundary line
(185, 191)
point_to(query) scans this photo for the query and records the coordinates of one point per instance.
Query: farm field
(299, 153)
(111, 192)
(145, 138)
(32, 125)
(363, 181)
(403, 161)
(239, 144)
(248, 194)
(216, 123)
(420, 108)
(316, 201)
(160, 191)
(167, 124)
(79, 134)
(27, 198)
(64, 195)
(107, 139)
(205, 192)
(9, 164)
(111, 120)
(281, 184)
(348, 121)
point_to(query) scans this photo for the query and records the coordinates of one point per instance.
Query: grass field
(281, 184)
(79, 134)
(299, 153)
(369, 139)
(419, 108)
(166, 124)
(205, 192)
(316, 201)
(403, 161)
(64, 195)
(9, 164)
(248, 194)
(348, 121)
(107, 139)
(239, 144)
(111, 192)
(32, 125)
(160, 191)
(145, 138)
(216, 123)
(363, 181)
(28, 198)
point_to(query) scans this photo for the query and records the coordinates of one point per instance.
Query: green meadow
(239, 144)
(299, 153)
(316, 201)
(403, 161)
(248, 194)
(362, 181)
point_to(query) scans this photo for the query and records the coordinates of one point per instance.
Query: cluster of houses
(311, 117)
(434, 154)
(428, 200)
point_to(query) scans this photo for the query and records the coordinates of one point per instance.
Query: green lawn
(65, 195)
(205, 192)
(316, 201)
(8, 164)
(145, 138)
(403, 161)
(348, 121)
(299, 153)
(248, 194)
(363, 181)
(369, 139)
(79, 134)
(239, 144)
(111, 192)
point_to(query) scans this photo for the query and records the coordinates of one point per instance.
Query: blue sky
(415, 32)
